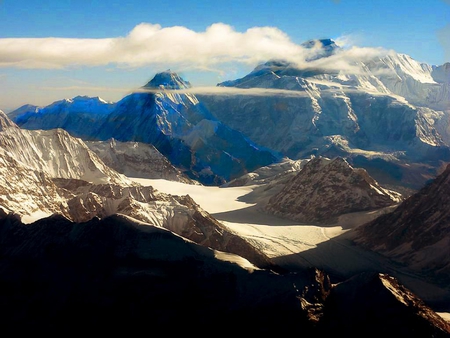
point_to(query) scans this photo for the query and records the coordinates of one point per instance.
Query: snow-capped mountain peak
(81, 103)
(403, 66)
(55, 153)
(167, 80)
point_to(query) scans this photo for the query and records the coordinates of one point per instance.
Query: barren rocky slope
(325, 189)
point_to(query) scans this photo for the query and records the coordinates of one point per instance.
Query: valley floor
(293, 245)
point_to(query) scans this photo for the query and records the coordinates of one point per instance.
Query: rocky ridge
(325, 189)
(137, 159)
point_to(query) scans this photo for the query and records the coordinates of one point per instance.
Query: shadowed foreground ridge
(120, 275)
(117, 274)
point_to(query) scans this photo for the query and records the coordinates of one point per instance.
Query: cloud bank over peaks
(348, 60)
(176, 47)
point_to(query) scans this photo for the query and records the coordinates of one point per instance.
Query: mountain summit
(167, 80)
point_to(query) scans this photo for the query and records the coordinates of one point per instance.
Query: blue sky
(108, 48)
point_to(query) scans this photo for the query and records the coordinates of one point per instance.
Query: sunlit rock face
(30, 160)
(325, 189)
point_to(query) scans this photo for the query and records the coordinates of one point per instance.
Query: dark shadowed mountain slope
(117, 275)
(351, 304)
(417, 232)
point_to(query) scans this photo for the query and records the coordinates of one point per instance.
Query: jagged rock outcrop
(417, 232)
(325, 189)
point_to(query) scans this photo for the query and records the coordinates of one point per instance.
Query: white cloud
(150, 44)
(235, 91)
(347, 60)
(217, 90)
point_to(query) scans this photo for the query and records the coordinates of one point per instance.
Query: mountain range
(177, 124)
(390, 116)
(82, 241)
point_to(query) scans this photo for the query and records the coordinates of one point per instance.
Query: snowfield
(275, 236)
